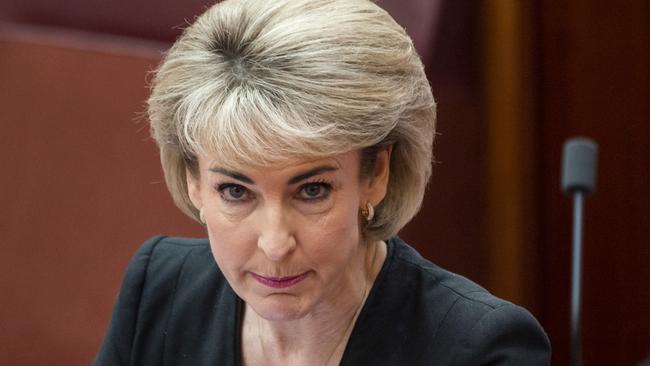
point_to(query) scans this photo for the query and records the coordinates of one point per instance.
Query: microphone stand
(576, 281)
(578, 179)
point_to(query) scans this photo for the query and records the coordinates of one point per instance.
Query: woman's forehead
(288, 166)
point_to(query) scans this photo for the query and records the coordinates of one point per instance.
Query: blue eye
(233, 192)
(315, 191)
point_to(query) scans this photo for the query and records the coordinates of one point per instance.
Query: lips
(279, 282)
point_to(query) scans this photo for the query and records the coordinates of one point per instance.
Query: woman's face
(287, 237)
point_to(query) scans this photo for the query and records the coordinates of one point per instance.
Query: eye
(234, 192)
(315, 191)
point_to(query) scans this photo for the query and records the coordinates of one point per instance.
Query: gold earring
(201, 216)
(368, 212)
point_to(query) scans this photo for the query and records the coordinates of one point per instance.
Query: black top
(176, 308)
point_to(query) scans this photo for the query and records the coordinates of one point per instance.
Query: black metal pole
(576, 282)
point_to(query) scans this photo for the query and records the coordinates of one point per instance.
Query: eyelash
(221, 188)
(325, 185)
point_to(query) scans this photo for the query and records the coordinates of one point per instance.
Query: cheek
(333, 238)
(231, 244)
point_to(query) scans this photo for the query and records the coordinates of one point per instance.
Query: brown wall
(81, 187)
(593, 81)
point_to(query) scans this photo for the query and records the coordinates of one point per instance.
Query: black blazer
(176, 308)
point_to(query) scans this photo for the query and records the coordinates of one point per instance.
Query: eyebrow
(312, 172)
(232, 174)
(308, 174)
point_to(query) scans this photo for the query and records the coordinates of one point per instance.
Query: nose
(276, 239)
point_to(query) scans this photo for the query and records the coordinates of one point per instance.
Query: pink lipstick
(279, 282)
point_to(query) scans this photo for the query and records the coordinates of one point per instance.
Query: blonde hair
(254, 82)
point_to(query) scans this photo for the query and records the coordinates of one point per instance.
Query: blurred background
(81, 185)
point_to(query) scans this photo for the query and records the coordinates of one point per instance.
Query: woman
(299, 132)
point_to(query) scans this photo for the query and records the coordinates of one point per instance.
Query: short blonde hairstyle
(254, 82)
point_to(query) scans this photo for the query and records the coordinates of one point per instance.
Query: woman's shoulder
(437, 283)
(456, 319)
(171, 285)
(167, 269)
(169, 247)
(156, 265)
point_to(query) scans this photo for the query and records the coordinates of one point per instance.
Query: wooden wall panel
(81, 188)
(148, 19)
(450, 228)
(512, 178)
(594, 82)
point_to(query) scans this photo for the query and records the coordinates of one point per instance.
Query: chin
(280, 307)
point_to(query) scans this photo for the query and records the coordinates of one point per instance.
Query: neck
(320, 336)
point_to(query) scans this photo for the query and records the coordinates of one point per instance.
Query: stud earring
(368, 212)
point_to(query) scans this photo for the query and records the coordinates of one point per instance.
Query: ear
(194, 189)
(378, 182)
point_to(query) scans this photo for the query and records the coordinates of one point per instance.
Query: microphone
(578, 180)
(579, 165)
